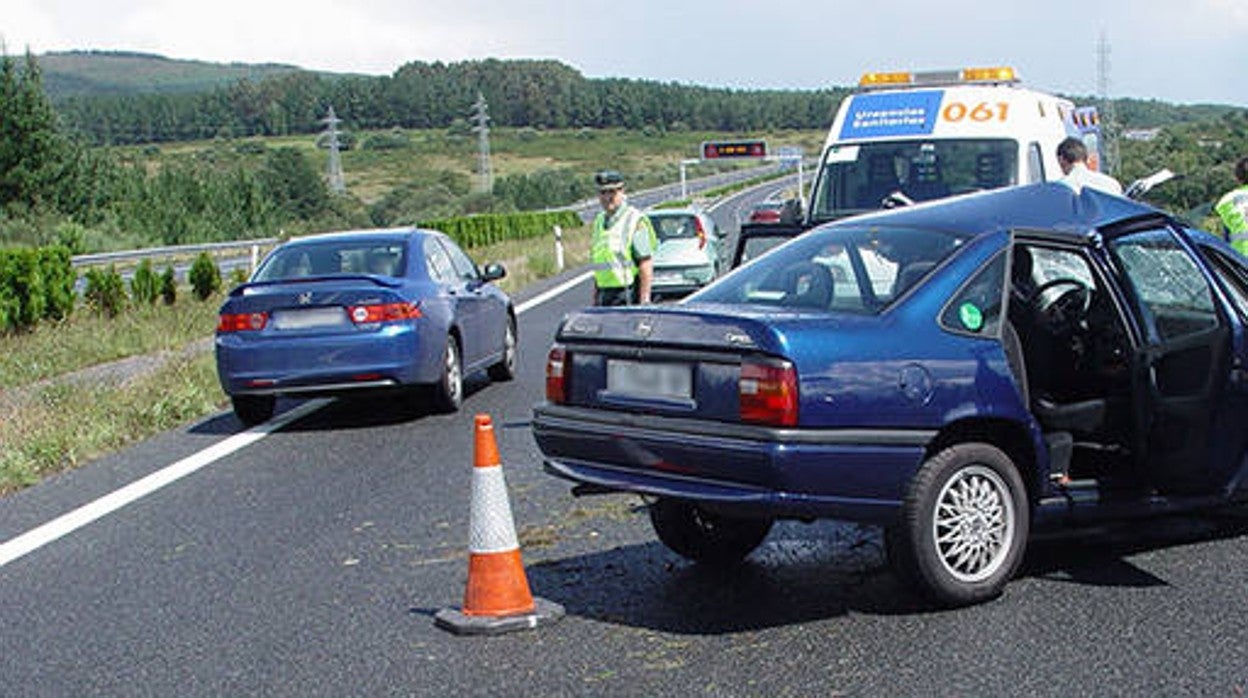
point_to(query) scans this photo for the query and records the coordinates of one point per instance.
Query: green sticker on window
(972, 318)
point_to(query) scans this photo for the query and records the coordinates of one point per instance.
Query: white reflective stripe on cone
(491, 529)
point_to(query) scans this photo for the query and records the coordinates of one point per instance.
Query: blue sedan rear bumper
(857, 475)
(394, 355)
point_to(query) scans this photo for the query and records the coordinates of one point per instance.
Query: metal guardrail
(86, 260)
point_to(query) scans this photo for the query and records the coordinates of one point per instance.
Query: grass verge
(65, 424)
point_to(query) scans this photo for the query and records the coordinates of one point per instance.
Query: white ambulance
(912, 137)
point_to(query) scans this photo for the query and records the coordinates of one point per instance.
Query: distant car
(766, 212)
(689, 251)
(346, 312)
(959, 373)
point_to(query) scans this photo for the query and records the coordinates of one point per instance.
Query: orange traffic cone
(497, 598)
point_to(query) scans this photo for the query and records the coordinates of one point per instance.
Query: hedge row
(35, 284)
(487, 229)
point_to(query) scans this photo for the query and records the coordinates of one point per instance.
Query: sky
(1179, 51)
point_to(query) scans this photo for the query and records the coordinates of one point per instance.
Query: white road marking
(558, 290)
(76, 519)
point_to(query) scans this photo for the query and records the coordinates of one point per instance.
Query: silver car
(689, 251)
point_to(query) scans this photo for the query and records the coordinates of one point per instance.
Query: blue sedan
(955, 372)
(351, 311)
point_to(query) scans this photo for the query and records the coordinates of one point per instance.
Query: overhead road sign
(712, 150)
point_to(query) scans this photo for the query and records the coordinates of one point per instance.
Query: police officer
(1232, 208)
(620, 249)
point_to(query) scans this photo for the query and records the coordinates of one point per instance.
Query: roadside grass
(65, 424)
(87, 338)
(60, 412)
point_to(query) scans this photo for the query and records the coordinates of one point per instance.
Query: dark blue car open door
(1183, 365)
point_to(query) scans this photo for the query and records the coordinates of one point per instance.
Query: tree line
(534, 93)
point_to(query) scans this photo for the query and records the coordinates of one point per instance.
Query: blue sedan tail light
(242, 322)
(768, 393)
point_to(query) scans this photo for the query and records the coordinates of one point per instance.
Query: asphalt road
(311, 563)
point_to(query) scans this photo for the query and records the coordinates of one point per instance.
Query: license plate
(307, 318)
(669, 277)
(645, 379)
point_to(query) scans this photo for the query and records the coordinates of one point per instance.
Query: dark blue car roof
(1046, 206)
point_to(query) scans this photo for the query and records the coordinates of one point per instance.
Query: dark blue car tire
(703, 536)
(964, 525)
(448, 392)
(253, 409)
(505, 369)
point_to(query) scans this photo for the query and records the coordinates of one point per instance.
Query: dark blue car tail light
(767, 393)
(556, 383)
(242, 322)
(386, 312)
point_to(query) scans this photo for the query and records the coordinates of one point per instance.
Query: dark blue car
(954, 372)
(346, 312)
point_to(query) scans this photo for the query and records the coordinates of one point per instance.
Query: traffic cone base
(544, 613)
(497, 598)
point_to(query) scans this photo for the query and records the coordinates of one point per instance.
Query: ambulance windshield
(859, 177)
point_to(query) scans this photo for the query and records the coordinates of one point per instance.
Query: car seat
(989, 171)
(909, 275)
(925, 181)
(881, 181)
(809, 285)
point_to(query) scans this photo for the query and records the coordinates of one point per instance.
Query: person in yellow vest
(1232, 208)
(620, 249)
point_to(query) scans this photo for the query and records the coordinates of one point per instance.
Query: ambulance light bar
(965, 76)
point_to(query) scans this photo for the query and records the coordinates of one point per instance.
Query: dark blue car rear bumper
(850, 474)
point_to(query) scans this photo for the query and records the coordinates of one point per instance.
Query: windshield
(674, 226)
(383, 257)
(858, 177)
(856, 270)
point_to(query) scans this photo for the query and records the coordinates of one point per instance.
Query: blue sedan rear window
(331, 257)
(843, 269)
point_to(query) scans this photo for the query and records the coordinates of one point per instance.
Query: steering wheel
(1061, 312)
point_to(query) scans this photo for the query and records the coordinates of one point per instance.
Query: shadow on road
(1099, 556)
(825, 570)
(796, 576)
(363, 411)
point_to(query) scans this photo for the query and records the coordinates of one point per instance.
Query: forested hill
(94, 73)
(122, 98)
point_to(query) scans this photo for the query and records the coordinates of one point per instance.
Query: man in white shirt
(1072, 155)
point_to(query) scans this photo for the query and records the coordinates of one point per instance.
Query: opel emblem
(305, 298)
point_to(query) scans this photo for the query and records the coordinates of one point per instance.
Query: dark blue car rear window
(839, 269)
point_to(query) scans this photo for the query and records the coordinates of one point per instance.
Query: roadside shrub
(22, 297)
(168, 286)
(474, 231)
(238, 275)
(204, 276)
(145, 285)
(106, 292)
(59, 277)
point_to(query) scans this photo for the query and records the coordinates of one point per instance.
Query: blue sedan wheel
(964, 526)
(253, 409)
(448, 392)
